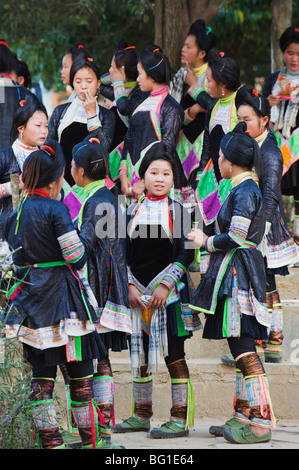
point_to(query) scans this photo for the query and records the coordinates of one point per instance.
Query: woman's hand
(134, 298)
(197, 237)
(159, 297)
(273, 100)
(117, 74)
(190, 78)
(21, 184)
(194, 110)
(126, 185)
(138, 189)
(90, 104)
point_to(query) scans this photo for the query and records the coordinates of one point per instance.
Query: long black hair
(248, 96)
(225, 70)
(204, 37)
(127, 56)
(7, 58)
(93, 157)
(43, 166)
(24, 113)
(158, 151)
(156, 64)
(81, 62)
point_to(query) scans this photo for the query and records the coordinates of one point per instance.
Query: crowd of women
(105, 207)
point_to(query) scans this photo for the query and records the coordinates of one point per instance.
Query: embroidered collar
(228, 100)
(199, 71)
(240, 178)
(156, 198)
(260, 139)
(160, 91)
(38, 192)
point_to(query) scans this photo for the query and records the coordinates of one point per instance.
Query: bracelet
(92, 117)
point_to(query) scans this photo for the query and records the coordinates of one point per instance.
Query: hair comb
(48, 149)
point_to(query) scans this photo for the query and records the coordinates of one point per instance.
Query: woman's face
(144, 81)
(191, 53)
(85, 79)
(255, 124)
(158, 178)
(224, 166)
(213, 88)
(291, 57)
(65, 69)
(35, 132)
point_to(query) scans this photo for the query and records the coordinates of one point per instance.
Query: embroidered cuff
(194, 91)
(130, 276)
(188, 118)
(93, 123)
(123, 168)
(210, 245)
(173, 275)
(119, 89)
(71, 247)
(105, 79)
(238, 229)
(5, 189)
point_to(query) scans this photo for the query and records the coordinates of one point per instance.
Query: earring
(222, 92)
(21, 135)
(51, 193)
(231, 169)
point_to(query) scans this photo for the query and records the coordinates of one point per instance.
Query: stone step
(214, 389)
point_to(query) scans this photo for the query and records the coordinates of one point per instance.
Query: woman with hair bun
(198, 43)
(223, 81)
(99, 230)
(236, 277)
(158, 118)
(282, 91)
(159, 292)
(83, 118)
(68, 59)
(281, 251)
(11, 93)
(120, 87)
(29, 131)
(49, 310)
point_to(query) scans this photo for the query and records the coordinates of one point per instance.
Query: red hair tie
(248, 131)
(254, 92)
(222, 54)
(130, 47)
(94, 139)
(49, 149)
(156, 50)
(90, 59)
(22, 103)
(3, 43)
(297, 30)
(80, 46)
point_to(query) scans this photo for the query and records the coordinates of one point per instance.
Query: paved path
(285, 436)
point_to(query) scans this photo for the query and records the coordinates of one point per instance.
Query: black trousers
(241, 345)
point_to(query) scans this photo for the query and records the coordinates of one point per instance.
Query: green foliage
(15, 376)
(41, 32)
(243, 29)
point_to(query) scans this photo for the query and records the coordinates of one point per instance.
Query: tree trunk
(281, 19)
(173, 19)
(168, 28)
